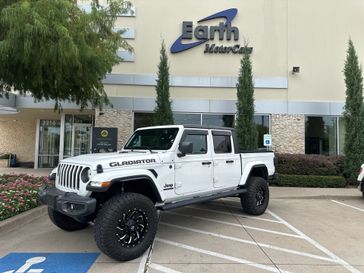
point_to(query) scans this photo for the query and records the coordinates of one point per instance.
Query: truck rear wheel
(126, 226)
(65, 222)
(255, 200)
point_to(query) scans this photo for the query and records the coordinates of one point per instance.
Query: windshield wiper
(142, 147)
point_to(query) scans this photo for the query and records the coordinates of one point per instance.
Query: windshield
(152, 139)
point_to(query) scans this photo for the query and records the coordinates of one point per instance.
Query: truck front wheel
(255, 200)
(65, 222)
(126, 226)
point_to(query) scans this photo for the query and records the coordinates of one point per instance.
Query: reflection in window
(341, 136)
(199, 143)
(320, 135)
(218, 120)
(143, 120)
(222, 144)
(187, 119)
(77, 135)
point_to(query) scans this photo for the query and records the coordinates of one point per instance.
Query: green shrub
(301, 164)
(314, 181)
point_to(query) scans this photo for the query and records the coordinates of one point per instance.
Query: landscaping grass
(19, 193)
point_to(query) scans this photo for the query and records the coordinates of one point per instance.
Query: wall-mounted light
(295, 70)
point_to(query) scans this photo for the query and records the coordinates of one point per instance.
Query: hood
(109, 160)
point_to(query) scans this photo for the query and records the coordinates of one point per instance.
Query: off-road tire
(251, 201)
(65, 222)
(124, 215)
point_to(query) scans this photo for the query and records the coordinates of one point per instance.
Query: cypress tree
(245, 126)
(353, 115)
(163, 111)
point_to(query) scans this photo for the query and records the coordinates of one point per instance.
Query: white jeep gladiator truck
(159, 168)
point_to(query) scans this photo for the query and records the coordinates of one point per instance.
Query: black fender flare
(128, 179)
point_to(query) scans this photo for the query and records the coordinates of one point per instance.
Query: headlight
(85, 175)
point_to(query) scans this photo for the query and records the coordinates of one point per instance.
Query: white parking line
(305, 254)
(234, 214)
(163, 268)
(143, 261)
(346, 205)
(221, 256)
(235, 225)
(316, 244)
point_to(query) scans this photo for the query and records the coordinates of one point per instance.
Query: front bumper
(69, 203)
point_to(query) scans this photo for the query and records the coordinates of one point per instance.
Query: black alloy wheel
(260, 196)
(255, 200)
(125, 226)
(132, 228)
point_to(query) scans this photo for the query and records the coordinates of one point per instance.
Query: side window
(199, 143)
(222, 144)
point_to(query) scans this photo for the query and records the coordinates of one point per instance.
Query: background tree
(53, 49)
(245, 126)
(163, 110)
(353, 114)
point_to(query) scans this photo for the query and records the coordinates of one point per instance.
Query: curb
(22, 219)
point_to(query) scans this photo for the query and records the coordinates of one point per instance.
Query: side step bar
(200, 199)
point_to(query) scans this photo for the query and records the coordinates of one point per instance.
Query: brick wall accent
(123, 120)
(288, 133)
(18, 137)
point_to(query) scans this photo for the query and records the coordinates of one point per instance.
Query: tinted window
(320, 135)
(222, 144)
(154, 139)
(218, 120)
(199, 143)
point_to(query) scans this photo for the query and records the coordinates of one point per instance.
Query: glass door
(81, 139)
(48, 147)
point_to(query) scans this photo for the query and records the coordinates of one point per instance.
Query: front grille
(69, 176)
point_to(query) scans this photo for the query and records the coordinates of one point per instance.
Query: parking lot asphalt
(304, 230)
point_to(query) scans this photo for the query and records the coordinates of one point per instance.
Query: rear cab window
(222, 142)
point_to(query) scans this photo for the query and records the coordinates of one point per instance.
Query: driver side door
(194, 171)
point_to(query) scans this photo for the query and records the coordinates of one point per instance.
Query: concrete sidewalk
(312, 193)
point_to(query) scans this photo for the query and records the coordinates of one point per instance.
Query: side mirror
(185, 148)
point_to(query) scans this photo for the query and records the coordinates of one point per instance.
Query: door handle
(206, 163)
(229, 161)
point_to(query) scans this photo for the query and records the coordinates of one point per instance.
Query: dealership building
(298, 50)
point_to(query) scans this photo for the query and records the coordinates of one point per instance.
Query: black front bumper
(68, 203)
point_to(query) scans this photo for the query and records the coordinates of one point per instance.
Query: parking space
(299, 233)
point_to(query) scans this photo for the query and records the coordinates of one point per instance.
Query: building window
(218, 120)
(48, 147)
(262, 123)
(143, 120)
(321, 135)
(77, 135)
(341, 135)
(190, 119)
